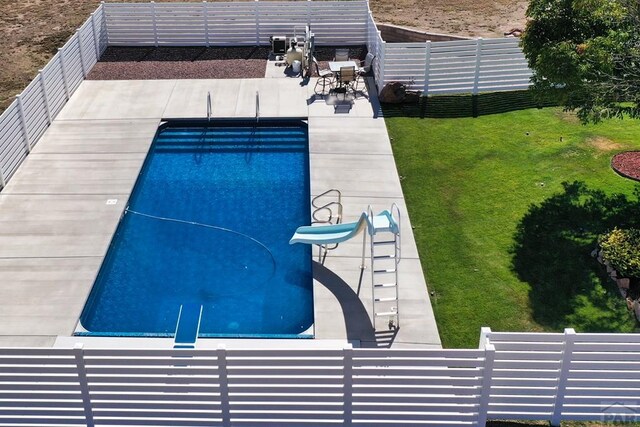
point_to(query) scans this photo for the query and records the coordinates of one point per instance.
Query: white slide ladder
(385, 257)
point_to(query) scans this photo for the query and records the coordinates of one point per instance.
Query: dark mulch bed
(150, 63)
(627, 164)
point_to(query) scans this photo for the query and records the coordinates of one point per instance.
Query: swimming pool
(208, 223)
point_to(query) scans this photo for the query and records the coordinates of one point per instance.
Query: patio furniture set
(343, 74)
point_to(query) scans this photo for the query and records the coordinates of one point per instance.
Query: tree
(585, 55)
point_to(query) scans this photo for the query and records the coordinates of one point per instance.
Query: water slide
(330, 234)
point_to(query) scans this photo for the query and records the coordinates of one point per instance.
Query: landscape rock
(393, 93)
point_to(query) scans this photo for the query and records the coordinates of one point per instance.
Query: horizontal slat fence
(570, 376)
(465, 66)
(234, 23)
(528, 376)
(240, 387)
(28, 117)
(461, 66)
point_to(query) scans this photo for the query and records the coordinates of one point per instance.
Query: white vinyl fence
(532, 376)
(461, 66)
(27, 118)
(247, 23)
(466, 66)
(557, 377)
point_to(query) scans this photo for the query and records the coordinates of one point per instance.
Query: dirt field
(32, 30)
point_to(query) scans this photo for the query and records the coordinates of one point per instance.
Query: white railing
(461, 66)
(29, 116)
(530, 376)
(234, 23)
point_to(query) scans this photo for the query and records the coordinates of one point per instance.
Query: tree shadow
(551, 252)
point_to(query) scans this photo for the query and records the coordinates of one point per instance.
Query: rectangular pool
(208, 224)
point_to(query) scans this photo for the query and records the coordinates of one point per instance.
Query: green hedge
(621, 249)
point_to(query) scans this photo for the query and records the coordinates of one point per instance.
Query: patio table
(335, 67)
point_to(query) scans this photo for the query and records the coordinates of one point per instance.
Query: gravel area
(627, 164)
(150, 63)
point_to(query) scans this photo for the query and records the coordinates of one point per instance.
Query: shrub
(621, 249)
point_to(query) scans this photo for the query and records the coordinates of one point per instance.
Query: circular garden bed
(627, 164)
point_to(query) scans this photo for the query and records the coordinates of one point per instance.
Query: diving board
(188, 326)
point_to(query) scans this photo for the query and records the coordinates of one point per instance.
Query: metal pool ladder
(384, 267)
(209, 106)
(327, 209)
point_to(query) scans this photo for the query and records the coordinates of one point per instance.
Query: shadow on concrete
(356, 318)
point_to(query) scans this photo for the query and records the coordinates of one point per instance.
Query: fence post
(256, 4)
(155, 24)
(383, 49)
(205, 15)
(476, 75)
(96, 41)
(347, 384)
(81, 51)
(487, 374)
(427, 66)
(63, 68)
(485, 334)
(84, 386)
(23, 121)
(309, 13)
(223, 378)
(3, 182)
(565, 364)
(45, 95)
(104, 17)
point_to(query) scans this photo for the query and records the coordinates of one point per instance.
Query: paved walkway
(57, 215)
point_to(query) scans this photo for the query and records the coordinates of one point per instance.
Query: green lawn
(503, 242)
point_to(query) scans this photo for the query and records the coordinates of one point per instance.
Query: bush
(621, 249)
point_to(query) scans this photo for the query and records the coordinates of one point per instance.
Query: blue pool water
(208, 224)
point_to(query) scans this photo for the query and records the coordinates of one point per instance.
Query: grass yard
(503, 242)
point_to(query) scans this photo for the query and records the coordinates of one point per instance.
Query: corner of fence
(565, 364)
(485, 333)
(487, 375)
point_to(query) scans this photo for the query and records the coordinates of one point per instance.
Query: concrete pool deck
(57, 214)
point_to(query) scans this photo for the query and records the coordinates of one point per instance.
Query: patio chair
(325, 78)
(346, 79)
(364, 69)
(341, 55)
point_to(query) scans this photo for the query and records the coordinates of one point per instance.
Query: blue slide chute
(330, 234)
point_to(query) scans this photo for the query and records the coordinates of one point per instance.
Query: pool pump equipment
(278, 45)
(297, 51)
